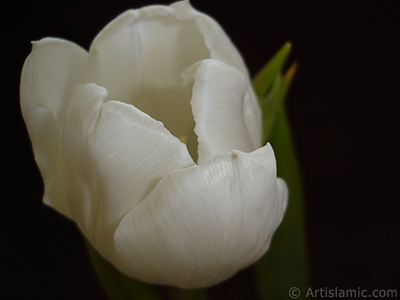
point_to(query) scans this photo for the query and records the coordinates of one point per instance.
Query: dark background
(343, 108)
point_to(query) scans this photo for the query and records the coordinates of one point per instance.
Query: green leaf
(270, 104)
(270, 90)
(285, 264)
(264, 78)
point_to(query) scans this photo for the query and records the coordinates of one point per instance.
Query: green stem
(285, 264)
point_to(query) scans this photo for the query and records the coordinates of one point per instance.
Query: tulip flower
(151, 143)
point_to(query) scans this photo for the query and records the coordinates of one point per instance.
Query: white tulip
(151, 143)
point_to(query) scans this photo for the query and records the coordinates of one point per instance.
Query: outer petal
(203, 224)
(49, 72)
(217, 102)
(115, 156)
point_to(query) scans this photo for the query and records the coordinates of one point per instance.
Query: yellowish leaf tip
(289, 74)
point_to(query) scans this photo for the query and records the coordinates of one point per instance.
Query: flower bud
(151, 143)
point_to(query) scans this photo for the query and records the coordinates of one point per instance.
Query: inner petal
(139, 58)
(172, 107)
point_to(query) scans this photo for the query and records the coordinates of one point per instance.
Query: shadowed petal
(49, 72)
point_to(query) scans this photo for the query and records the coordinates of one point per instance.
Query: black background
(343, 108)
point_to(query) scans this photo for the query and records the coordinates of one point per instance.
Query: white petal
(217, 102)
(116, 155)
(203, 224)
(49, 72)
